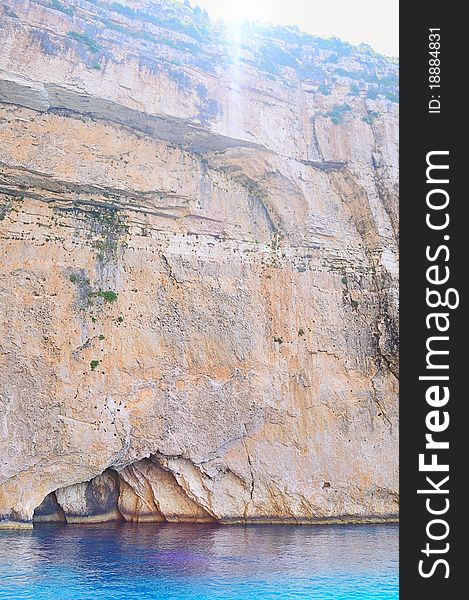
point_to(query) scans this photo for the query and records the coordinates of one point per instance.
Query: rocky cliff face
(198, 269)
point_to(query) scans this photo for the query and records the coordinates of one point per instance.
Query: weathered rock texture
(198, 269)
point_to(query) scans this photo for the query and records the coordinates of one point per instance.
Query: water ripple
(199, 562)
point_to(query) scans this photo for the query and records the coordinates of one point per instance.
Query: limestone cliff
(198, 269)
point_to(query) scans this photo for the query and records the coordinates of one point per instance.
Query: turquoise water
(195, 562)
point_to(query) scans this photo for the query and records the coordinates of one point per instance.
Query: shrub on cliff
(336, 115)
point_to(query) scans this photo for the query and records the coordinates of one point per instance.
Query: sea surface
(195, 562)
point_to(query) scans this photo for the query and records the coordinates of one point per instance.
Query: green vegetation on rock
(57, 5)
(86, 40)
(9, 12)
(108, 296)
(336, 115)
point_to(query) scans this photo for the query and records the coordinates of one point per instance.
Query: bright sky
(375, 22)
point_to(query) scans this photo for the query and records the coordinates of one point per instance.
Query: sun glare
(375, 23)
(241, 10)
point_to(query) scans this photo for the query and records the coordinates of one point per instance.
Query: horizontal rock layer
(198, 274)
